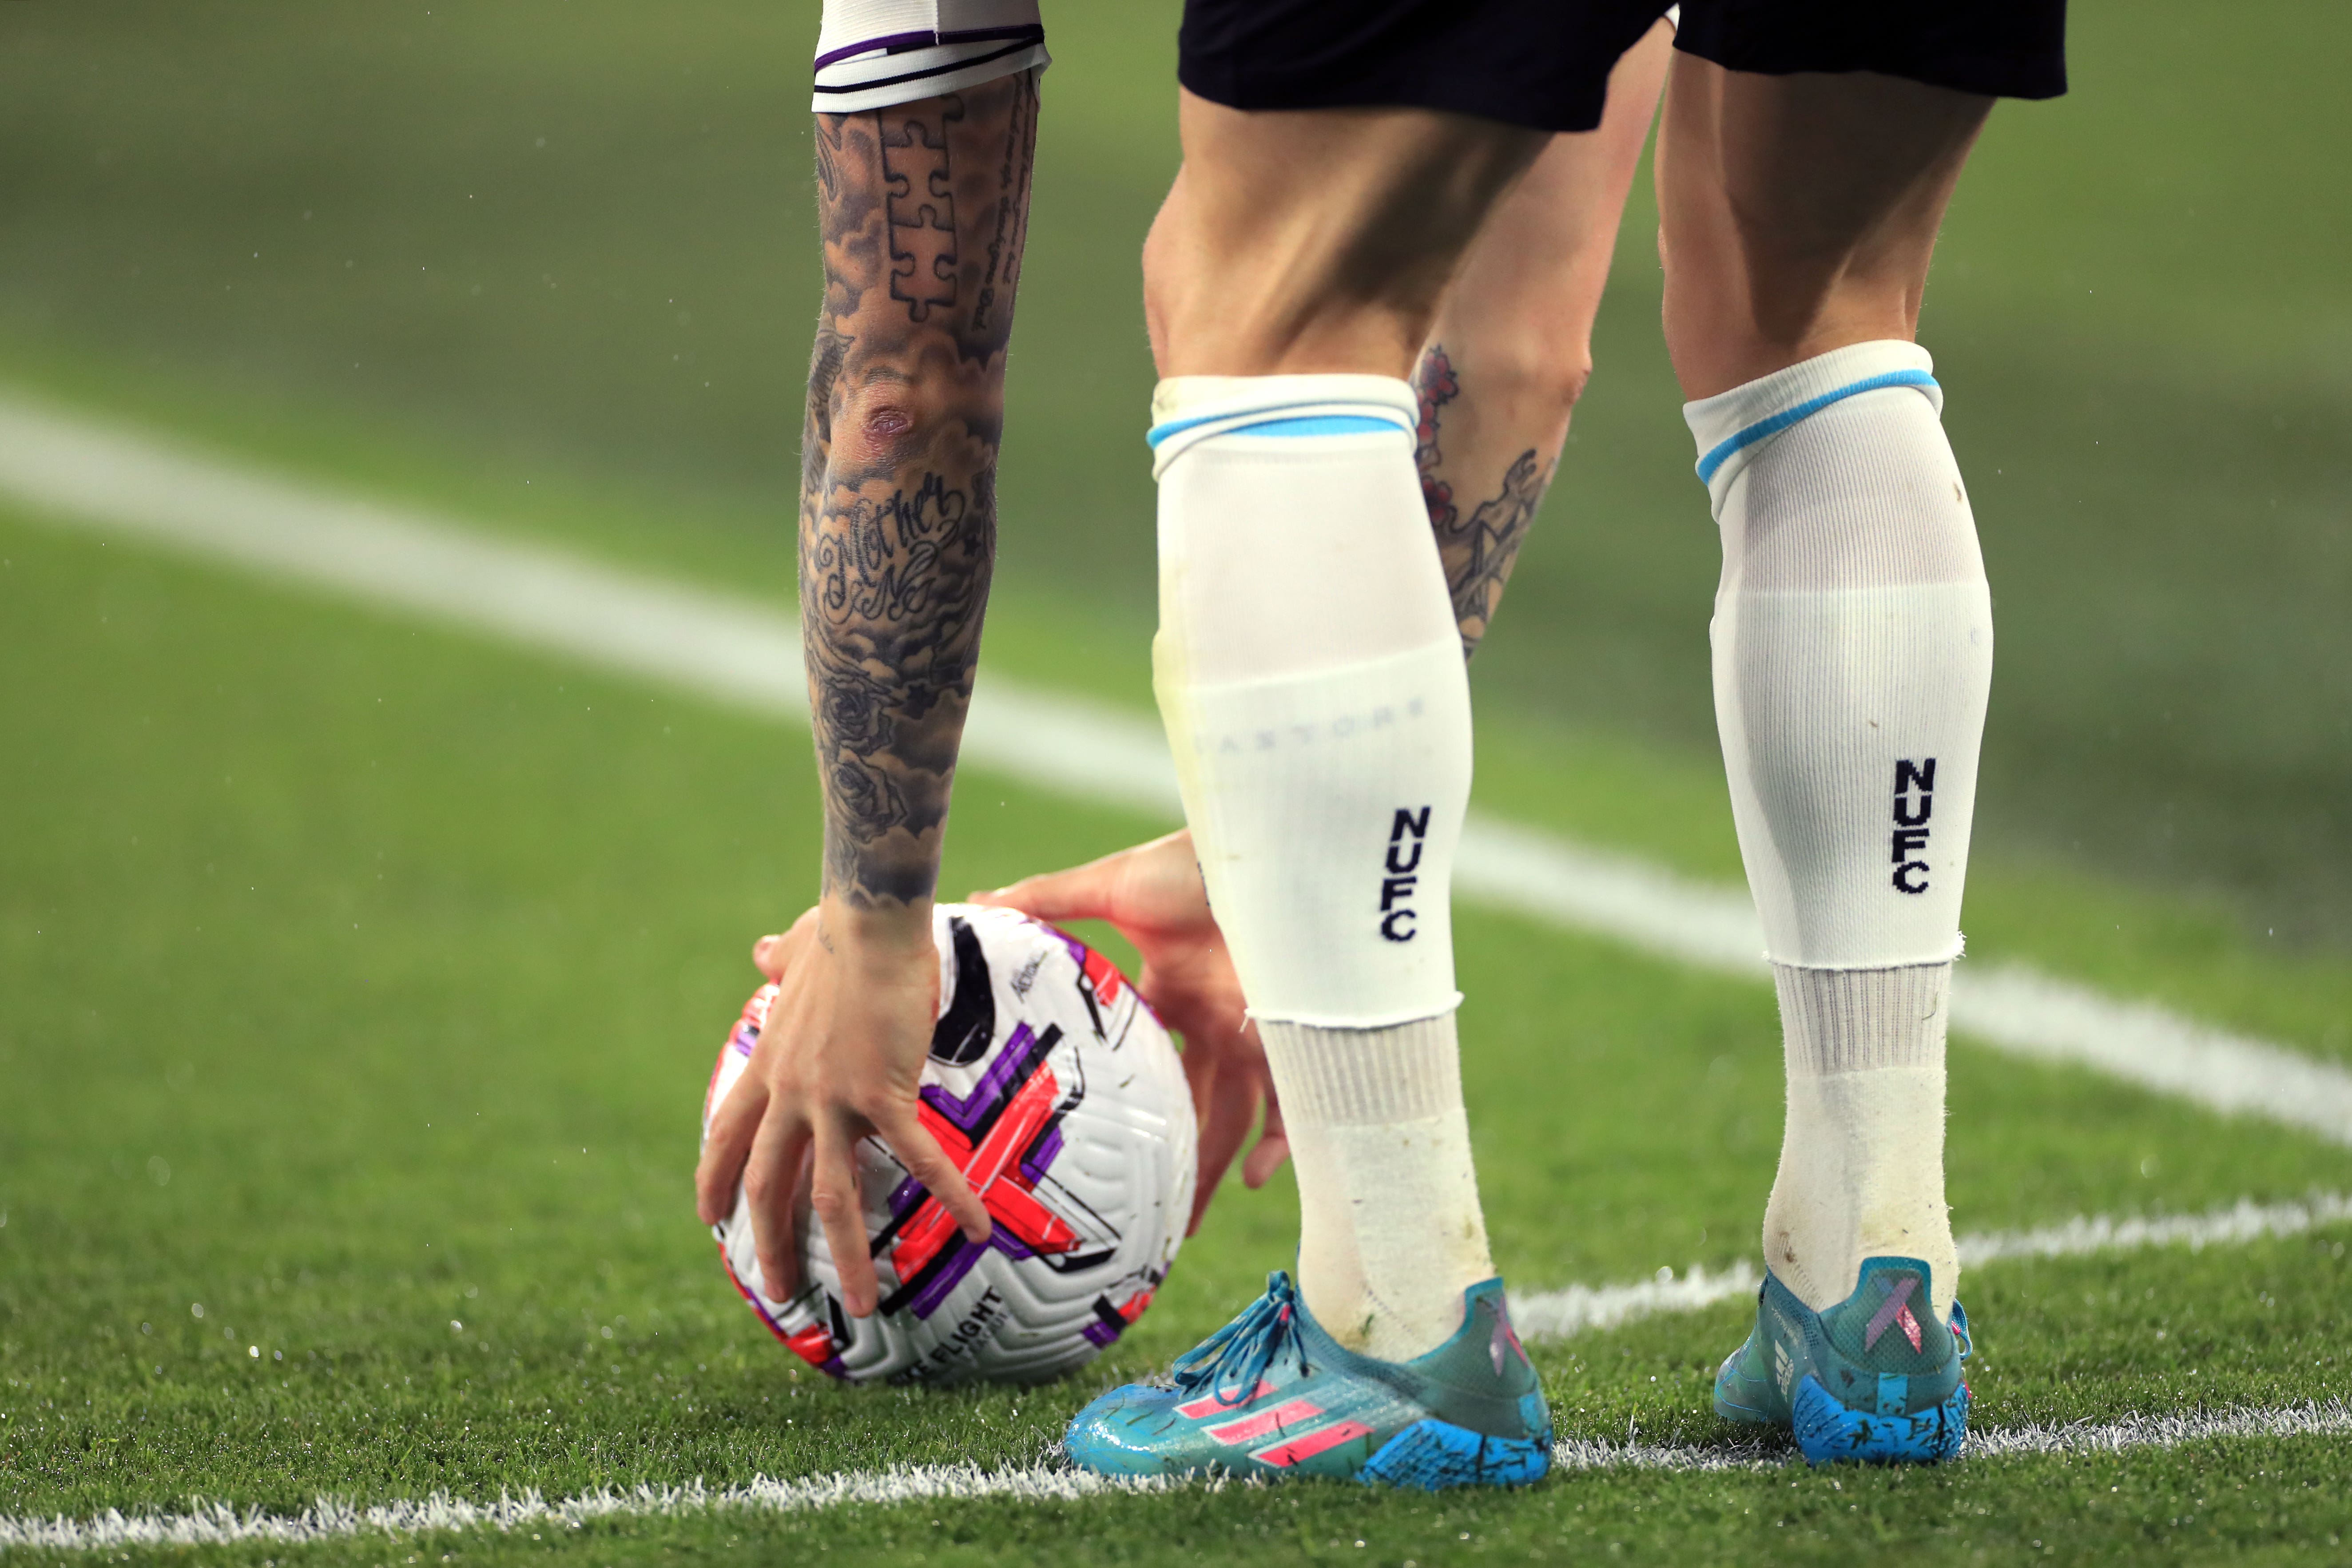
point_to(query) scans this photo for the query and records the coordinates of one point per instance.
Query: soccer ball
(1063, 1099)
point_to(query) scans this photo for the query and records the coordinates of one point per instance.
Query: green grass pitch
(358, 979)
(359, 983)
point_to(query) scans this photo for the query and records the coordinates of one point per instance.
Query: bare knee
(1534, 384)
(1552, 370)
(1523, 376)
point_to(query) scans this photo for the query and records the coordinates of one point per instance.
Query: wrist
(885, 931)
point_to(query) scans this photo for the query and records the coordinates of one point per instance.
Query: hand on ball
(840, 1057)
(1153, 895)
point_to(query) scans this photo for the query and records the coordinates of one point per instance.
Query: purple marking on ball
(1042, 1154)
(1010, 1069)
(959, 1263)
(907, 1196)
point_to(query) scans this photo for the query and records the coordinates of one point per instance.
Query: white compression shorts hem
(872, 53)
(901, 78)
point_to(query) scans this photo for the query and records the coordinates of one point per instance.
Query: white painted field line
(1580, 1308)
(2320, 1418)
(2243, 1221)
(746, 653)
(327, 1518)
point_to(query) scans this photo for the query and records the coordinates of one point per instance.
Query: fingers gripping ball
(1063, 1100)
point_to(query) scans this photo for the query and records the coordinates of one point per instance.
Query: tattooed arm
(925, 211)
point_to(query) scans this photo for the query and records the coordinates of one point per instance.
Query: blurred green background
(552, 263)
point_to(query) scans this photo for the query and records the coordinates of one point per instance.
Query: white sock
(1310, 676)
(1390, 1230)
(1861, 1156)
(1853, 646)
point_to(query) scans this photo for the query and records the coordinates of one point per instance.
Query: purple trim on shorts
(1024, 33)
(890, 45)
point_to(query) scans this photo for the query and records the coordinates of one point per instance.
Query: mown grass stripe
(1580, 1309)
(329, 1519)
(747, 653)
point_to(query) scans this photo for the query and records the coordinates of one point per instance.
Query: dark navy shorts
(1544, 64)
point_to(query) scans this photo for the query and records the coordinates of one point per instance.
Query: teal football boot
(1271, 1393)
(1875, 1379)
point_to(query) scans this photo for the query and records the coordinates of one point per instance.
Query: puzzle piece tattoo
(922, 202)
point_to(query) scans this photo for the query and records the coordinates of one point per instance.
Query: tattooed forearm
(1477, 552)
(925, 212)
(892, 590)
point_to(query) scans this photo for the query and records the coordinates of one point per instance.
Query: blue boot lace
(1230, 1362)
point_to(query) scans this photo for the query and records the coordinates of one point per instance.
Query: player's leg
(1308, 664)
(1310, 675)
(1512, 347)
(1310, 672)
(1504, 365)
(1493, 411)
(1853, 632)
(1853, 650)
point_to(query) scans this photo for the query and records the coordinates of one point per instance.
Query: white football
(1063, 1099)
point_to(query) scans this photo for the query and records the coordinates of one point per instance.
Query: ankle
(1390, 1233)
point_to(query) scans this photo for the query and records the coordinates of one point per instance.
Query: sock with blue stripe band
(1310, 675)
(1852, 654)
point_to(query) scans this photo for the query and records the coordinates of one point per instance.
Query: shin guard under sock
(1852, 652)
(1310, 675)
